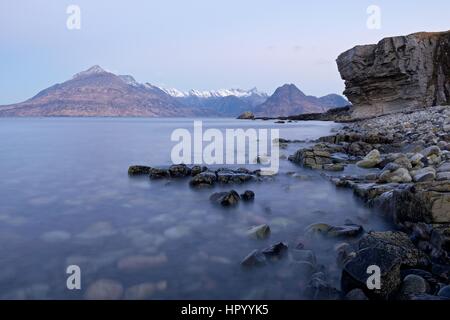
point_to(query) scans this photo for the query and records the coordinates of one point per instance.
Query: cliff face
(397, 74)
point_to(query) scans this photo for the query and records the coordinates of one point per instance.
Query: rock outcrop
(397, 74)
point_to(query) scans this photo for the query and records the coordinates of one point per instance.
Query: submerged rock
(259, 232)
(225, 199)
(276, 251)
(138, 170)
(204, 179)
(104, 289)
(254, 259)
(248, 195)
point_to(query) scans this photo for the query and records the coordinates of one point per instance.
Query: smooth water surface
(66, 198)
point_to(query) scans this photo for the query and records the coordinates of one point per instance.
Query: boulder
(413, 284)
(138, 170)
(204, 179)
(179, 171)
(425, 174)
(259, 232)
(248, 195)
(396, 243)
(355, 275)
(225, 199)
(276, 251)
(400, 175)
(371, 160)
(427, 202)
(397, 74)
(254, 259)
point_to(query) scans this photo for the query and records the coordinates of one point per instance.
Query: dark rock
(355, 276)
(347, 231)
(396, 243)
(259, 232)
(275, 251)
(425, 202)
(195, 170)
(225, 199)
(254, 259)
(158, 173)
(319, 289)
(413, 284)
(204, 179)
(444, 292)
(138, 170)
(356, 294)
(179, 170)
(248, 195)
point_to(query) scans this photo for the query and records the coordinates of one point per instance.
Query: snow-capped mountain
(97, 92)
(221, 93)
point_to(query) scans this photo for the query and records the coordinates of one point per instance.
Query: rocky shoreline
(408, 155)
(411, 187)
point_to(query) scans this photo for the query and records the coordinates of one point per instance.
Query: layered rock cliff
(397, 74)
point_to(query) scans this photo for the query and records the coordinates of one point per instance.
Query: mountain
(96, 92)
(225, 102)
(288, 100)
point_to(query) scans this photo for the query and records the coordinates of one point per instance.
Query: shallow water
(66, 199)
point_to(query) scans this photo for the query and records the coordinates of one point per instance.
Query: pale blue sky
(201, 44)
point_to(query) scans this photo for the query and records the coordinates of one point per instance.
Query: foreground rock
(226, 199)
(397, 74)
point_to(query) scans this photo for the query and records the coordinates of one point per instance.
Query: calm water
(66, 199)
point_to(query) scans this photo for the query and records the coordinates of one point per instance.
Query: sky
(197, 44)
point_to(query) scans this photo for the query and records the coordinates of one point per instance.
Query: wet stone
(259, 232)
(138, 170)
(225, 199)
(248, 195)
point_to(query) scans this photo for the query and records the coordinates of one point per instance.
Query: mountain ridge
(98, 92)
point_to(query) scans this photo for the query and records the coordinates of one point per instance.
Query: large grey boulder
(397, 74)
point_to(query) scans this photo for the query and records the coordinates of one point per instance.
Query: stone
(104, 289)
(247, 115)
(427, 202)
(414, 284)
(433, 150)
(225, 199)
(248, 195)
(319, 289)
(396, 243)
(254, 259)
(400, 175)
(355, 276)
(138, 170)
(425, 174)
(443, 176)
(259, 232)
(179, 171)
(356, 294)
(333, 167)
(317, 228)
(276, 251)
(158, 173)
(397, 74)
(347, 231)
(445, 167)
(303, 255)
(371, 160)
(204, 179)
(444, 292)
